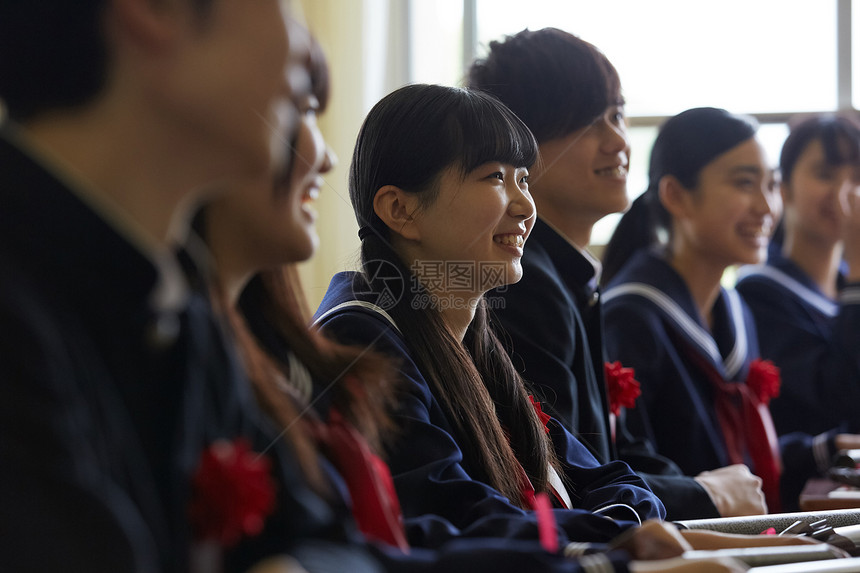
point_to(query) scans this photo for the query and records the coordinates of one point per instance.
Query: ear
(676, 198)
(149, 24)
(397, 208)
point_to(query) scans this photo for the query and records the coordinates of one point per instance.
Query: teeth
(311, 194)
(758, 233)
(619, 171)
(516, 240)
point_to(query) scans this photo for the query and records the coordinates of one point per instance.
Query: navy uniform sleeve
(803, 456)
(682, 495)
(438, 497)
(601, 487)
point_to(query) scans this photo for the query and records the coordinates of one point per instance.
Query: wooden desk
(821, 494)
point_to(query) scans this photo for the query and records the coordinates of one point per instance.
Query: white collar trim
(735, 360)
(360, 304)
(819, 301)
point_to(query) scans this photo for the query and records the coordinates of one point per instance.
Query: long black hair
(64, 42)
(408, 139)
(686, 144)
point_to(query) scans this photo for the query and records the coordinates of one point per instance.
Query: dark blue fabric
(439, 498)
(552, 321)
(676, 410)
(818, 355)
(464, 553)
(101, 425)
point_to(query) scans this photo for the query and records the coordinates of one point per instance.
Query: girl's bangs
(483, 130)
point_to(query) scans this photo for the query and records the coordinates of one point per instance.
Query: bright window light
(750, 56)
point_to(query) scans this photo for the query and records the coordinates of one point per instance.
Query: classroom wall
(355, 35)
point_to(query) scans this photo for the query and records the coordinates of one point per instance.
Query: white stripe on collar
(806, 294)
(737, 357)
(699, 335)
(558, 486)
(361, 304)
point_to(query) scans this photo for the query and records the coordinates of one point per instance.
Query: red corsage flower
(232, 492)
(622, 388)
(544, 417)
(764, 380)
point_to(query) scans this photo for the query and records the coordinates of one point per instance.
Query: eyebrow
(751, 169)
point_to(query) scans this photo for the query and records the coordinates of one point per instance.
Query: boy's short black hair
(554, 81)
(53, 54)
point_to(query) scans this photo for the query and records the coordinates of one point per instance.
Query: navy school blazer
(105, 407)
(552, 322)
(439, 498)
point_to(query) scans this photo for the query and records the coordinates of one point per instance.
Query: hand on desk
(710, 540)
(847, 441)
(652, 540)
(734, 490)
(655, 540)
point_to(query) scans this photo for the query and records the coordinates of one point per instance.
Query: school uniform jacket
(437, 494)
(653, 326)
(552, 322)
(107, 402)
(458, 555)
(813, 339)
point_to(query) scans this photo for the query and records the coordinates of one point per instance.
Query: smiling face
(265, 225)
(583, 176)
(481, 220)
(812, 196)
(730, 215)
(312, 160)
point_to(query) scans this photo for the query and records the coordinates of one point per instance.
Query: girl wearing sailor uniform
(711, 203)
(806, 299)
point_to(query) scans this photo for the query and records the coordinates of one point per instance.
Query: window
(767, 58)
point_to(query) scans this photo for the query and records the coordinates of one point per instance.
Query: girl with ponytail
(439, 184)
(712, 202)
